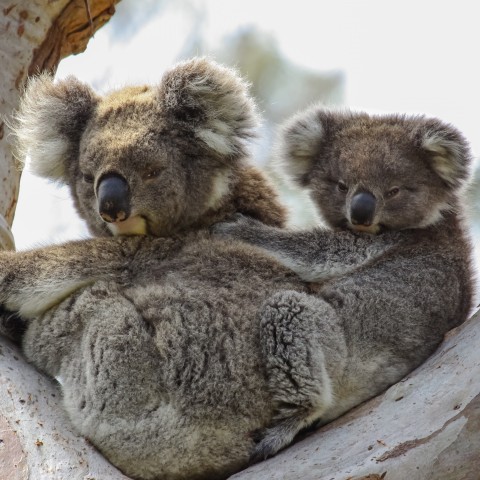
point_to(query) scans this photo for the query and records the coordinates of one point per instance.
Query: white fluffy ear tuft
(215, 101)
(49, 122)
(298, 144)
(448, 152)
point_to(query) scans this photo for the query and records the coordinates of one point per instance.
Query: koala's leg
(304, 349)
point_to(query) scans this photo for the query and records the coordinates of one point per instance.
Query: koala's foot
(294, 328)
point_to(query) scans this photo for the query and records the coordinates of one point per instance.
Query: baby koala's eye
(342, 187)
(87, 178)
(392, 192)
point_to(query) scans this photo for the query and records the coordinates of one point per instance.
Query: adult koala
(155, 341)
(392, 265)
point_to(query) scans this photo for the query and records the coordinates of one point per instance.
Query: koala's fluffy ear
(298, 143)
(215, 101)
(448, 152)
(50, 121)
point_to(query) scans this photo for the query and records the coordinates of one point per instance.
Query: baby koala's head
(373, 173)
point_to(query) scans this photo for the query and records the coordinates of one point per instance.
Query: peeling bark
(70, 32)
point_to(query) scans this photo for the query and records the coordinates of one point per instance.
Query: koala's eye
(342, 187)
(392, 192)
(87, 178)
(150, 175)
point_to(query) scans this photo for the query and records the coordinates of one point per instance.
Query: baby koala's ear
(213, 101)
(49, 123)
(447, 151)
(299, 143)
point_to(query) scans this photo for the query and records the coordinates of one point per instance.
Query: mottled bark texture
(36, 440)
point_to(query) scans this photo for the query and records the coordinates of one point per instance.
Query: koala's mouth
(134, 225)
(373, 229)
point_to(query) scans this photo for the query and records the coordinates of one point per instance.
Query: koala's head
(372, 173)
(149, 159)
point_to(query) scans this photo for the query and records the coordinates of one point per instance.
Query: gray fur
(385, 292)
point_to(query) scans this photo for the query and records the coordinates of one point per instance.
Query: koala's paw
(238, 227)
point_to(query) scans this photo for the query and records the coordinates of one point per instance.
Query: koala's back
(171, 362)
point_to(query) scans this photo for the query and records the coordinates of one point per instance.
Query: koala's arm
(313, 255)
(33, 281)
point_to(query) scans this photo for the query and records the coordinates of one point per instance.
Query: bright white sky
(416, 56)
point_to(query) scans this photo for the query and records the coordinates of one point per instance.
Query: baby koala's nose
(362, 208)
(113, 196)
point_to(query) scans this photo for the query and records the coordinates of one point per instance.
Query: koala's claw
(263, 448)
(270, 441)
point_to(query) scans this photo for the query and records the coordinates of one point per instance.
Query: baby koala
(392, 271)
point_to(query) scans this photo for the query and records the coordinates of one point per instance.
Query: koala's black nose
(113, 196)
(362, 208)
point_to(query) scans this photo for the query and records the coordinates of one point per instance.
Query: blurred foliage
(129, 18)
(280, 87)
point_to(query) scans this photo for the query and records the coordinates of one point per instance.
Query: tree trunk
(36, 439)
